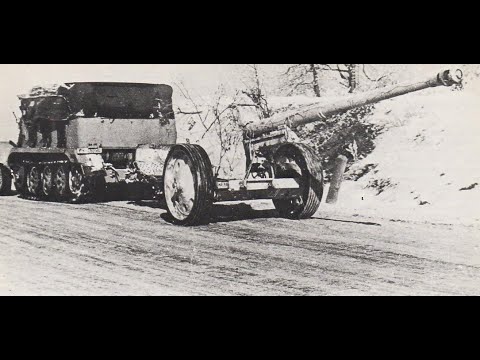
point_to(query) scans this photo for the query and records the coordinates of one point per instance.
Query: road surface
(123, 248)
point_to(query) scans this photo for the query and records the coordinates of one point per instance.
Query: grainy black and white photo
(239, 180)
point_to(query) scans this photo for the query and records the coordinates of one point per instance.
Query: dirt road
(123, 248)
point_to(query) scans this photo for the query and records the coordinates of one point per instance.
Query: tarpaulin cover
(109, 100)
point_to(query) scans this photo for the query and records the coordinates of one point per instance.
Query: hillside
(425, 164)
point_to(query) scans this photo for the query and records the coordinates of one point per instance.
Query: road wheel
(76, 184)
(34, 180)
(47, 181)
(19, 179)
(5, 180)
(60, 182)
(299, 161)
(188, 185)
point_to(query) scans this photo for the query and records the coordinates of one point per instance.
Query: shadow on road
(237, 212)
(222, 212)
(153, 204)
(11, 193)
(219, 212)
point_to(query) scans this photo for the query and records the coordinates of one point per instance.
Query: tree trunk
(316, 85)
(353, 77)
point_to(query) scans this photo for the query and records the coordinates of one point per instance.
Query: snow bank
(426, 164)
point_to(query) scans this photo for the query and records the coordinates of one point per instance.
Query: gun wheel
(299, 161)
(188, 184)
(5, 180)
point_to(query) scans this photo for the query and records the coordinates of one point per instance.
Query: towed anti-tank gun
(116, 133)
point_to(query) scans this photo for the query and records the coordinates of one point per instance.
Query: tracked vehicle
(77, 139)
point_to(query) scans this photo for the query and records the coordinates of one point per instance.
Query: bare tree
(371, 78)
(349, 73)
(255, 90)
(316, 85)
(307, 76)
(218, 118)
(303, 77)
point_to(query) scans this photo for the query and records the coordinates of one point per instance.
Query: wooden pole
(336, 182)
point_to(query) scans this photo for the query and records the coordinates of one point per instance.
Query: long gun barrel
(318, 112)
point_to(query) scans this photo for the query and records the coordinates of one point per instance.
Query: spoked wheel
(5, 180)
(19, 179)
(76, 183)
(47, 181)
(299, 161)
(60, 182)
(34, 180)
(188, 184)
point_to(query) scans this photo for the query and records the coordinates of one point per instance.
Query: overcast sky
(17, 79)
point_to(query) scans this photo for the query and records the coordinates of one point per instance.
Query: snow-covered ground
(425, 166)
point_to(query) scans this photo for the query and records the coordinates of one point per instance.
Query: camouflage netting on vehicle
(110, 100)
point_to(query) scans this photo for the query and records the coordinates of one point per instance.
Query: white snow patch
(429, 153)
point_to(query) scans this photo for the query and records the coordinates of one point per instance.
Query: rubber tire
(203, 183)
(6, 183)
(312, 181)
